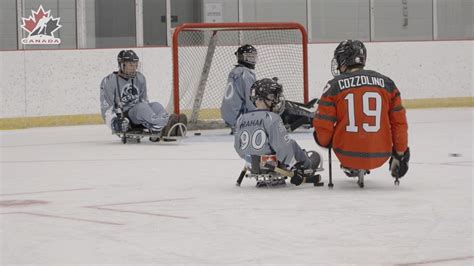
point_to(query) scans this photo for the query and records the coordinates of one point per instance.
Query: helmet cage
(247, 55)
(335, 67)
(128, 63)
(270, 92)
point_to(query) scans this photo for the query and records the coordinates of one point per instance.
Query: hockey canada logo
(41, 27)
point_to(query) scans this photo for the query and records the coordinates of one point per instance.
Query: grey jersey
(261, 132)
(128, 95)
(237, 94)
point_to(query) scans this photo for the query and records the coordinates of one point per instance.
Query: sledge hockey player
(237, 101)
(360, 115)
(260, 133)
(125, 105)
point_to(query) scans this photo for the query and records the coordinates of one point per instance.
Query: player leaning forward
(261, 132)
(236, 100)
(360, 115)
(123, 97)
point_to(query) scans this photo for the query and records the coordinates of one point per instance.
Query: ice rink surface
(77, 195)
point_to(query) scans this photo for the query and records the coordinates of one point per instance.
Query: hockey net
(203, 56)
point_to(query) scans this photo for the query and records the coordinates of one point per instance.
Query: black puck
(197, 133)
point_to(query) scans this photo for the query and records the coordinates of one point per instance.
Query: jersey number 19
(366, 110)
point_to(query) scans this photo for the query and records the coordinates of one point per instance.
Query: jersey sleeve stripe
(323, 103)
(326, 117)
(364, 154)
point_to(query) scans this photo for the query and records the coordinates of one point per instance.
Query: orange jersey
(361, 114)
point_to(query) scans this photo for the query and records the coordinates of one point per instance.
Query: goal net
(203, 56)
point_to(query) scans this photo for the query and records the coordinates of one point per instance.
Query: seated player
(261, 132)
(124, 101)
(361, 116)
(236, 100)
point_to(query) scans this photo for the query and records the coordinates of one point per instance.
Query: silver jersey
(261, 132)
(236, 99)
(129, 93)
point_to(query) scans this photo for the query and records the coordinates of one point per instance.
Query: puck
(455, 155)
(197, 133)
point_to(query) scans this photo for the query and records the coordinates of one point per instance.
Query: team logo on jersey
(130, 94)
(40, 27)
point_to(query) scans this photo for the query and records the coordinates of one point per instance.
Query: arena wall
(57, 87)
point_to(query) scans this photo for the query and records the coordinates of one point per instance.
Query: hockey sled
(136, 132)
(360, 175)
(356, 173)
(266, 170)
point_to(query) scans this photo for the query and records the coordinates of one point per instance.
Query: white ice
(77, 195)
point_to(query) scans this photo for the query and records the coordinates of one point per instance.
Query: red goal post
(203, 56)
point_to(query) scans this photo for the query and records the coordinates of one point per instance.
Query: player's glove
(298, 174)
(399, 163)
(120, 125)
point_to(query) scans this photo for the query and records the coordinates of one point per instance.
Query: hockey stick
(397, 181)
(290, 174)
(308, 105)
(330, 185)
(119, 106)
(279, 170)
(311, 103)
(241, 176)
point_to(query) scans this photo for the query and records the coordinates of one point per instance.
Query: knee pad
(157, 108)
(315, 158)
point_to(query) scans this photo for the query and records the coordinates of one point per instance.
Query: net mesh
(206, 56)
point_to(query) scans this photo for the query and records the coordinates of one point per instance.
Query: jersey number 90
(257, 139)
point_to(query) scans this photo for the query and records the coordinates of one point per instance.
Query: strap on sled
(265, 168)
(135, 134)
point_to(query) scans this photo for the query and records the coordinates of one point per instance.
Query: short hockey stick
(330, 185)
(308, 105)
(290, 174)
(241, 177)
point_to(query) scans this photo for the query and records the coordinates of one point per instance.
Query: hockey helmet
(128, 63)
(348, 53)
(268, 90)
(247, 55)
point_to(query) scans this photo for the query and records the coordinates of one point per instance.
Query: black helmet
(247, 55)
(263, 88)
(127, 56)
(348, 53)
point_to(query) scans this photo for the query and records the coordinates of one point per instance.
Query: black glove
(399, 163)
(120, 124)
(298, 174)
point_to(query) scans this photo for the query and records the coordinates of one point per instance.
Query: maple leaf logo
(41, 23)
